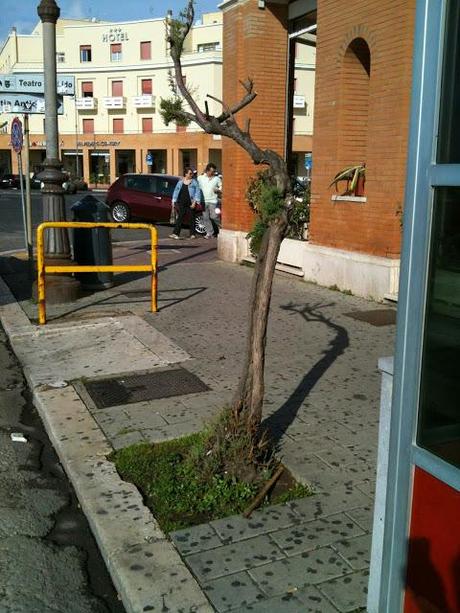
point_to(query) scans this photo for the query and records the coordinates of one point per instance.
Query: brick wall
(368, 121)
(387, 28)
(255, 45)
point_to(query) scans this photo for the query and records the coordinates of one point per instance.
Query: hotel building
(113, 125)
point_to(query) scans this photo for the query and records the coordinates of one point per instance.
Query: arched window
(354, 102)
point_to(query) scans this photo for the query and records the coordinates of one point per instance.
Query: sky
(24, 16)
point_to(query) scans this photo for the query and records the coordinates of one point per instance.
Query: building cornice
(131, 68)
(223, 6)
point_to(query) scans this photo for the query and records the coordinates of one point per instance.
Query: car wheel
(200, 228)
(120, 212)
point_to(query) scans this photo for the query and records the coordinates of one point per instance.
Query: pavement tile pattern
(321, 405)
(312, 554)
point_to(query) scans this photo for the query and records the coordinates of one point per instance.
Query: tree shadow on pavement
(282, 418)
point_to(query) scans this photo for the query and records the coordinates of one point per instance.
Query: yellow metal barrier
(43, 269)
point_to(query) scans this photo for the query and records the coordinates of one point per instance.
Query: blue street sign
(35, 84)
(308, 161)
(16, 135)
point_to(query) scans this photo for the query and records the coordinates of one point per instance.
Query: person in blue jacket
(186, 197)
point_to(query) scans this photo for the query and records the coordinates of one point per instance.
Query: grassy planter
(181, 494)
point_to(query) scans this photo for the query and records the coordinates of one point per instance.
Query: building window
(87, 89)
(117, 88)
(439, 417)
(60, 57)
(85, 53)
(147, 125)
(208, 47)
(115, 52)
(146, 86)
(88, 126)
(146, 50)
(118, 126)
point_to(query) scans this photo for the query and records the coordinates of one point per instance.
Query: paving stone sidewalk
(322, 399)
(322, 402)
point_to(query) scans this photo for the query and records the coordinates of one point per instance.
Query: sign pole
(23, 201)
(30, 252)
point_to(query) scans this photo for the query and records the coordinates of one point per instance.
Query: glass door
(424, 454)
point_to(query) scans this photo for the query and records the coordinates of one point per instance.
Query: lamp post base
(56, 239)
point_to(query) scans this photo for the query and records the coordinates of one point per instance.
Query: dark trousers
(181, 212)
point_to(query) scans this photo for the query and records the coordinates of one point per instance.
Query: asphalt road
(49, 561)
(11, 221)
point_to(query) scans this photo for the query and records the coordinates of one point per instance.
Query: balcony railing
(114, 102)
(86, 104)
(146, 101)
(299, 101)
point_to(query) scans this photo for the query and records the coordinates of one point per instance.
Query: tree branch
(224, 124)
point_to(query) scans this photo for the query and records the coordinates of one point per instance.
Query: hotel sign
(35, 84)
(115, 35)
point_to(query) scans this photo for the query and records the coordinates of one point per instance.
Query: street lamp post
(57, 240)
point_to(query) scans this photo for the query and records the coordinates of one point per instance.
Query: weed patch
(183, 489)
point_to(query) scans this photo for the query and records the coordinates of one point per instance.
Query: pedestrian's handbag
(173, 215)
(199, 208)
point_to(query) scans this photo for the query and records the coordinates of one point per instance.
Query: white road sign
(26, 103)
(35, 84)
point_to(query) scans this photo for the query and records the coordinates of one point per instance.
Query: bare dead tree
(248, 401)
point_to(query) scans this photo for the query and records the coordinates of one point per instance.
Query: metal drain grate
(150, 386)
(378, 317)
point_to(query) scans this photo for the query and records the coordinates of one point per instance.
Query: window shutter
(118, 126)
(87, 88)
(117, 88)
(147, 125)
(88, 126)
(146, 50)
(146, 86)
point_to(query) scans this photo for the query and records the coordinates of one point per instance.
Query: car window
(165, 187)
(153, 185)
(141, 183)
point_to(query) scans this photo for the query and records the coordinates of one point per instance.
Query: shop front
(415, 563)
(125, 161)
(99, 167)
(156, 160)
(187, 157)
(5, 162)
(72, 162)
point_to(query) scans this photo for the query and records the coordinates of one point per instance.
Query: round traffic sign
(16, 134)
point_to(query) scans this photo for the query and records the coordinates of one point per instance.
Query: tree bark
(248, 401)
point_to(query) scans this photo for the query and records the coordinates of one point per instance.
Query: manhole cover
(378, 317)
(151, 386)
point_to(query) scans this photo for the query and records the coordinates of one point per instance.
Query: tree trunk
(248, 402)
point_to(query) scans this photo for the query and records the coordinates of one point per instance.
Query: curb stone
(145, 567)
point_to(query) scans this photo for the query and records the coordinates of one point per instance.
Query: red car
(146, 196)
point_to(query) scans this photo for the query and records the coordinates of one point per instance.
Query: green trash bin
(92, 246)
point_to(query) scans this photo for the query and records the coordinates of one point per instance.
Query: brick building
(362, 95)
(121, 73)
